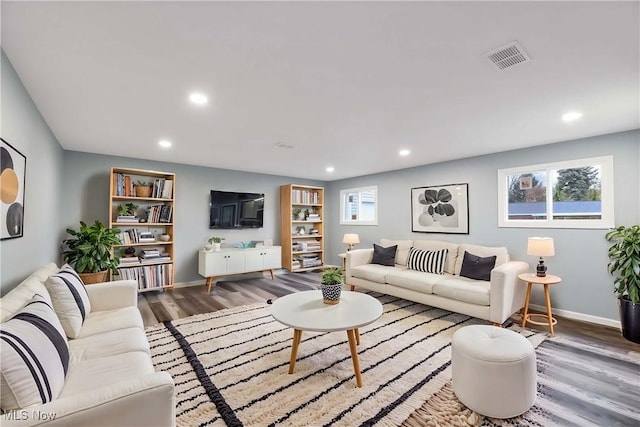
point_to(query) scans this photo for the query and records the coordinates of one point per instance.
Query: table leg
(358, 336)
(351, 334)
(297, 336)
(209, 283)
(271, 271)
(548, 301)
(526, 305)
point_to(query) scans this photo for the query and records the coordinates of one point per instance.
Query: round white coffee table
(305, 311)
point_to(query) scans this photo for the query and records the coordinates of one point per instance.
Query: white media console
(228, 261)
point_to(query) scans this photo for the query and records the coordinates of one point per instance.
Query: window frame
(343, 194)
(607, 219)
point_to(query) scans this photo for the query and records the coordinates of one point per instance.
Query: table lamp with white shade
(540, 246)
(350, 239)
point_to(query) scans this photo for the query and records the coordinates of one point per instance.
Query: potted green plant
(127, 209)
(331, 285)
(624, 265)
(88, 251)
(295, 213)
(216, 241)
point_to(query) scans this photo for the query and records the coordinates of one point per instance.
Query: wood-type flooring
(594, 393)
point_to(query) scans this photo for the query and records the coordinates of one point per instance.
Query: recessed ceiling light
(164, 143)
(329, 169)
(571, 116)
(404, 152)
(198, 98)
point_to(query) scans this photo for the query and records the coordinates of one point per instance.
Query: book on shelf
(127, 218)
(167, 190)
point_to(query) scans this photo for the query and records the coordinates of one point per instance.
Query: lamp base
(541, 269)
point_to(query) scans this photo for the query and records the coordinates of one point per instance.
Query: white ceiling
(346, 84)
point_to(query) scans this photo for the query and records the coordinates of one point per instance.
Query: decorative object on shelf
(14, 166)
(331, 285)
(350, 240)
(164, 237)
(129, 250)
(208, 247)
(624, 265)
(440, 209)
(216, 242)
(296, 213)
(540, 246)
(313, 231)
(143, 189)
(127, 209)
(88, 251)
(300, 230)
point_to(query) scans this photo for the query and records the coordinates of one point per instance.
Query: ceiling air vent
(508, 56)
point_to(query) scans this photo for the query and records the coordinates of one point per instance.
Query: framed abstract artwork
(12, 180)
(440, 209)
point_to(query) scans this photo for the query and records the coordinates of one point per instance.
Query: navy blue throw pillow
(384, 256)
(475, 267)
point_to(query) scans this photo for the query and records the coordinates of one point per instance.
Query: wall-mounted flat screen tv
(232, 210)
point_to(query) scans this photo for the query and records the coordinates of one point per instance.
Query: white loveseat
(110, 380)
(495, 300)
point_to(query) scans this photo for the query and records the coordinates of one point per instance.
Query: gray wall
(581, 255)
(24, 129)
(86, 198)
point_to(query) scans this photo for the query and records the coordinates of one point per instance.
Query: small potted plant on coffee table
(331, 285)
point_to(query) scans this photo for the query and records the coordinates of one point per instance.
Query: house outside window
(571, 194)
(359, 206)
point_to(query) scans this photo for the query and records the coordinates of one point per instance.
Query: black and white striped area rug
(230, 367)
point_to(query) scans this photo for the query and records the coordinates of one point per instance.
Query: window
(572, 194)
(359, 206)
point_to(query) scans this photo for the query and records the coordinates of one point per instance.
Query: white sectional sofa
(494, 300)
(110, 379)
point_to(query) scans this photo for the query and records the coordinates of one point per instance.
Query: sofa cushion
(108, 344)
(436, 245)
(478, 268)
(21, 295)
(502, 256)
(427, 261)
(463, 289)
(373, 272)
(34, 356)
(70, 299)
(87, 375)
(384, 256)
(415, 280)
(98, 322)
(403, 249)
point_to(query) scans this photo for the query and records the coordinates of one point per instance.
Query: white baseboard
(578, 316)
(187, 284)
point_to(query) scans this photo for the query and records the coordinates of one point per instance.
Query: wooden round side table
(547, 280)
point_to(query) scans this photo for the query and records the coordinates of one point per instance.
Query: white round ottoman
(494, 370)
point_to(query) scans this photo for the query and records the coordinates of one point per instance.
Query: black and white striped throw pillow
(70, 300)
(34, 356)
(427, 261)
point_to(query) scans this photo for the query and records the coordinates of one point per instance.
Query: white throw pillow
(70, 300)
(34, 356)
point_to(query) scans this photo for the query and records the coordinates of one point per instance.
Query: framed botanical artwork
(440, 209)
(12, 175)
